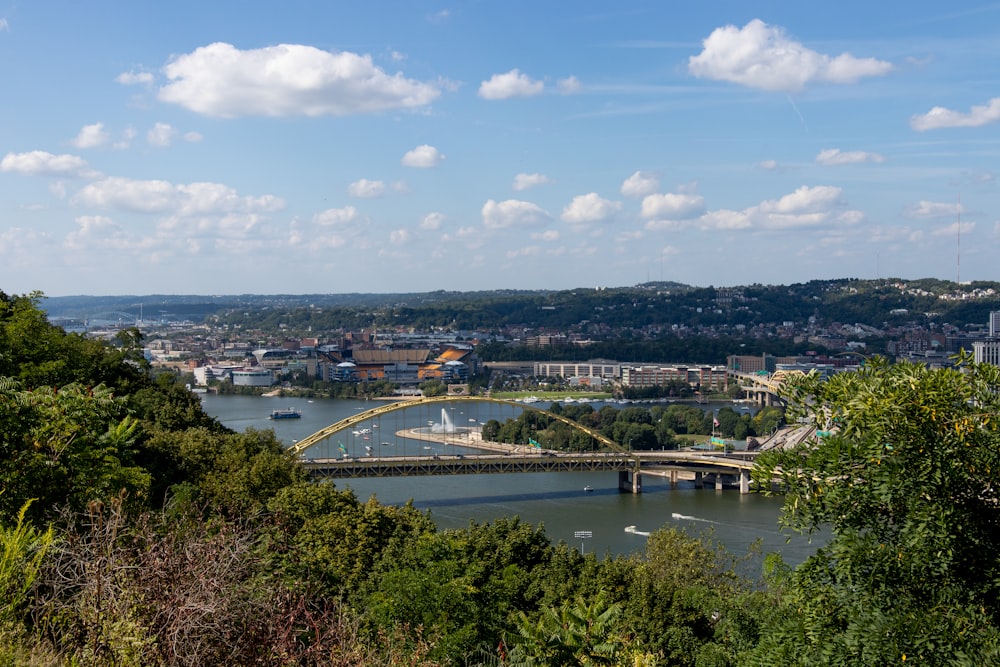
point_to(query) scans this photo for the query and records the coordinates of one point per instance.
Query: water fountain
(446, 425)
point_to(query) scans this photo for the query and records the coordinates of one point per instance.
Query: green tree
(579, 634)
(908, 485)
(767, 419)
(22, 548)
(65, 446)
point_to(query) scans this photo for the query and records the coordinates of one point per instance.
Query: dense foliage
(639, 427)
(908, 482)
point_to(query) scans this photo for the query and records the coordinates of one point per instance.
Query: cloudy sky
(298, 147)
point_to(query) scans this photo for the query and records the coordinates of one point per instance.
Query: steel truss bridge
(765, 388)
(630, 466)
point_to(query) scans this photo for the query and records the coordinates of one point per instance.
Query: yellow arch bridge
(628, 465)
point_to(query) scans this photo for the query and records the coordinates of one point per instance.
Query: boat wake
(632, 529)
(685, 517)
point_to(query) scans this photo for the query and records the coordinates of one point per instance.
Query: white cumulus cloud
(97, 231)
(954, 229)
(400, 236)
(287, 80)
(335, 217)
(804, 200)
(640, 184)
(156, 196)
(835, 157)
(366, 189)
(569, 85)
(432, 221)
(513, 213)
(589, 208)
(42, 163)
(762, 56)
(807, 207)
(422, 157)
(549, 235)
(528, 181)
(940, 117)
(672, 206)
(91, 136)
(160, 135)
(134, 78)
(924, 209)
(510, 84)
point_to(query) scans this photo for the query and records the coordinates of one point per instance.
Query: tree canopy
(905, 476)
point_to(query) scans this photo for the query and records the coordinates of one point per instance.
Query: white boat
(588, 488)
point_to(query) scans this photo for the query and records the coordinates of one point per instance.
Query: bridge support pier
(673, 478)
(718, 481)
(699, 480)
(744, 481)
(630, 481)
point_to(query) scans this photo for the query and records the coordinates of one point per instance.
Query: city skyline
(398, 147)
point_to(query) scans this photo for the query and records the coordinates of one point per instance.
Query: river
(558, 501)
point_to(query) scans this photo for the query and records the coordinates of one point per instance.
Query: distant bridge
(763, 387)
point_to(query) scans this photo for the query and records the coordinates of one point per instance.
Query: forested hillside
(652, 305)
(135, 530)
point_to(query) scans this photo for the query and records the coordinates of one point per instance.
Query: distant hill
(646, 306)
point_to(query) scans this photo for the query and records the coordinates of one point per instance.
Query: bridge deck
(548, 462)
(464, 465)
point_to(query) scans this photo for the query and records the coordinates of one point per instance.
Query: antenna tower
(958, 255)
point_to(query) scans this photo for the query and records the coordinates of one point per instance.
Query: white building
(987, 351)
(995, 324)
(608, 370)
(253, 378)
(203, 375)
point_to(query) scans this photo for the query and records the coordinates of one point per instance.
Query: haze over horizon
(196, 148)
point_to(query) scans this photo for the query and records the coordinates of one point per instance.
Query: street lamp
(583, 535)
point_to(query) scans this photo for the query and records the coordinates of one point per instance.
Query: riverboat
(289, 413)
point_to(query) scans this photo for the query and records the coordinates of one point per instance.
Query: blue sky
(299, 147)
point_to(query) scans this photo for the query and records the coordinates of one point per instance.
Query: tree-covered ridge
(653, 307)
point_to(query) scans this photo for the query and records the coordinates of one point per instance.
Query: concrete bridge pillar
(673, 478)
(699, 482)
(630, 481)
(718, 481)
(744, 481)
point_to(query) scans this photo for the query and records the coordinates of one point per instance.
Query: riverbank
(467, 438)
